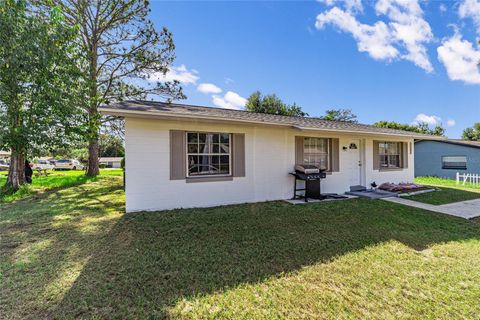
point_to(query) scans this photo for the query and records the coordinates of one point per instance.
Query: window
(454, 162)
(389, 153)
(208, 154)
(315, 152)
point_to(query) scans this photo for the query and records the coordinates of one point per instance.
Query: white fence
(473, 178)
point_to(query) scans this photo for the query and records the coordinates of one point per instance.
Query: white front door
(353, 164)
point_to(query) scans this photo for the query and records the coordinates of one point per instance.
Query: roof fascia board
(148, 114)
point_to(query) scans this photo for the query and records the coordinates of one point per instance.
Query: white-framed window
(208, 154)
(390, 154)
(315, 152)
(454, 162)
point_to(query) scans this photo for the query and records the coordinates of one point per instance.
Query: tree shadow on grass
(45, 237)
(150, 261)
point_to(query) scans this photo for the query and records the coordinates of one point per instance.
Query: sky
(397, 60)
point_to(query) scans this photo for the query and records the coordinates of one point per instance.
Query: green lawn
(73, 253)
(55, 180)
(448, 191)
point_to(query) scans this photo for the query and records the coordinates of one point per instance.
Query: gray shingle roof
(155, 108)
(473, 144)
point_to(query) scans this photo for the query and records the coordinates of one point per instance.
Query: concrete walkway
(464, 209)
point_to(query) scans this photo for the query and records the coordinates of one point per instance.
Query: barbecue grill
(311, 175)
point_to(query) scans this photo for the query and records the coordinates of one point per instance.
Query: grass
(55, 180)
(448, 191)
(73, 253)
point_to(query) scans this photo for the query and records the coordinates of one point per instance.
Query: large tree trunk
(16, 172)
(93, 114)
(93, 165)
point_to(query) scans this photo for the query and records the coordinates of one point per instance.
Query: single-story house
(181, 156)
(111, 162)
(444, 158)
(4, 154)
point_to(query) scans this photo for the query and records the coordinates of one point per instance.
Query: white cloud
(431, 120)
(403, 37)
(470, 9)
(442, 7)
(460, 59)
(451, 122)
(350, 5)
(231, 100)
(208, 88)
(181, 74)
(373, 39)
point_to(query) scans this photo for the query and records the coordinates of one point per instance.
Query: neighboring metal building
(446, 158)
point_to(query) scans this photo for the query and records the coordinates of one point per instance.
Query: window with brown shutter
(322, 152)
(206, 156)
(388, 155)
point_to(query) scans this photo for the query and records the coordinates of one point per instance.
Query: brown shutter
(404, 154)
(238, 154)
(177, 155)
(335, 155)
(299, 142)
(376, 156)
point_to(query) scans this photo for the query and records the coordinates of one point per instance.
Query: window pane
(192, 137)
(216, 148)
(202, 137)
(192, 148)
(216, 138)
(224, 159)
(454, 162)
(193, 165)
(392, 148)
(381, 148)
(383, 161)
(224, 169)
(224, 148)
(224, 138)
(394, 161)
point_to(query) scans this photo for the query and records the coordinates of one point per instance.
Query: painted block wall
(428, 158)
(269, 157)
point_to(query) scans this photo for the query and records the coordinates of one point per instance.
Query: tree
(345, 115)
(271, 104)
(39, 82)
(122, 51)
(111, 146)
(422, 127)
(473, 133)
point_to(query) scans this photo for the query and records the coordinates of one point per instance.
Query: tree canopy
(345, 115)
(473, 133)
(125, 57)
(272, 104)
(424, 128)
(40, 83)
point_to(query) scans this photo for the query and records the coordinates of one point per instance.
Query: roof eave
(150, 114)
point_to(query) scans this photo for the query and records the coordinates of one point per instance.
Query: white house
(181, 156)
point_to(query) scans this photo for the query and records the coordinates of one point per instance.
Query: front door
(353, 162)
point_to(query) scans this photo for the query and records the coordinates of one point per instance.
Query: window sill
(450, 168)
(390, 169)
(208, 179)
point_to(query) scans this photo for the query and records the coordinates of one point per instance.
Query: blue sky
(385, 60)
